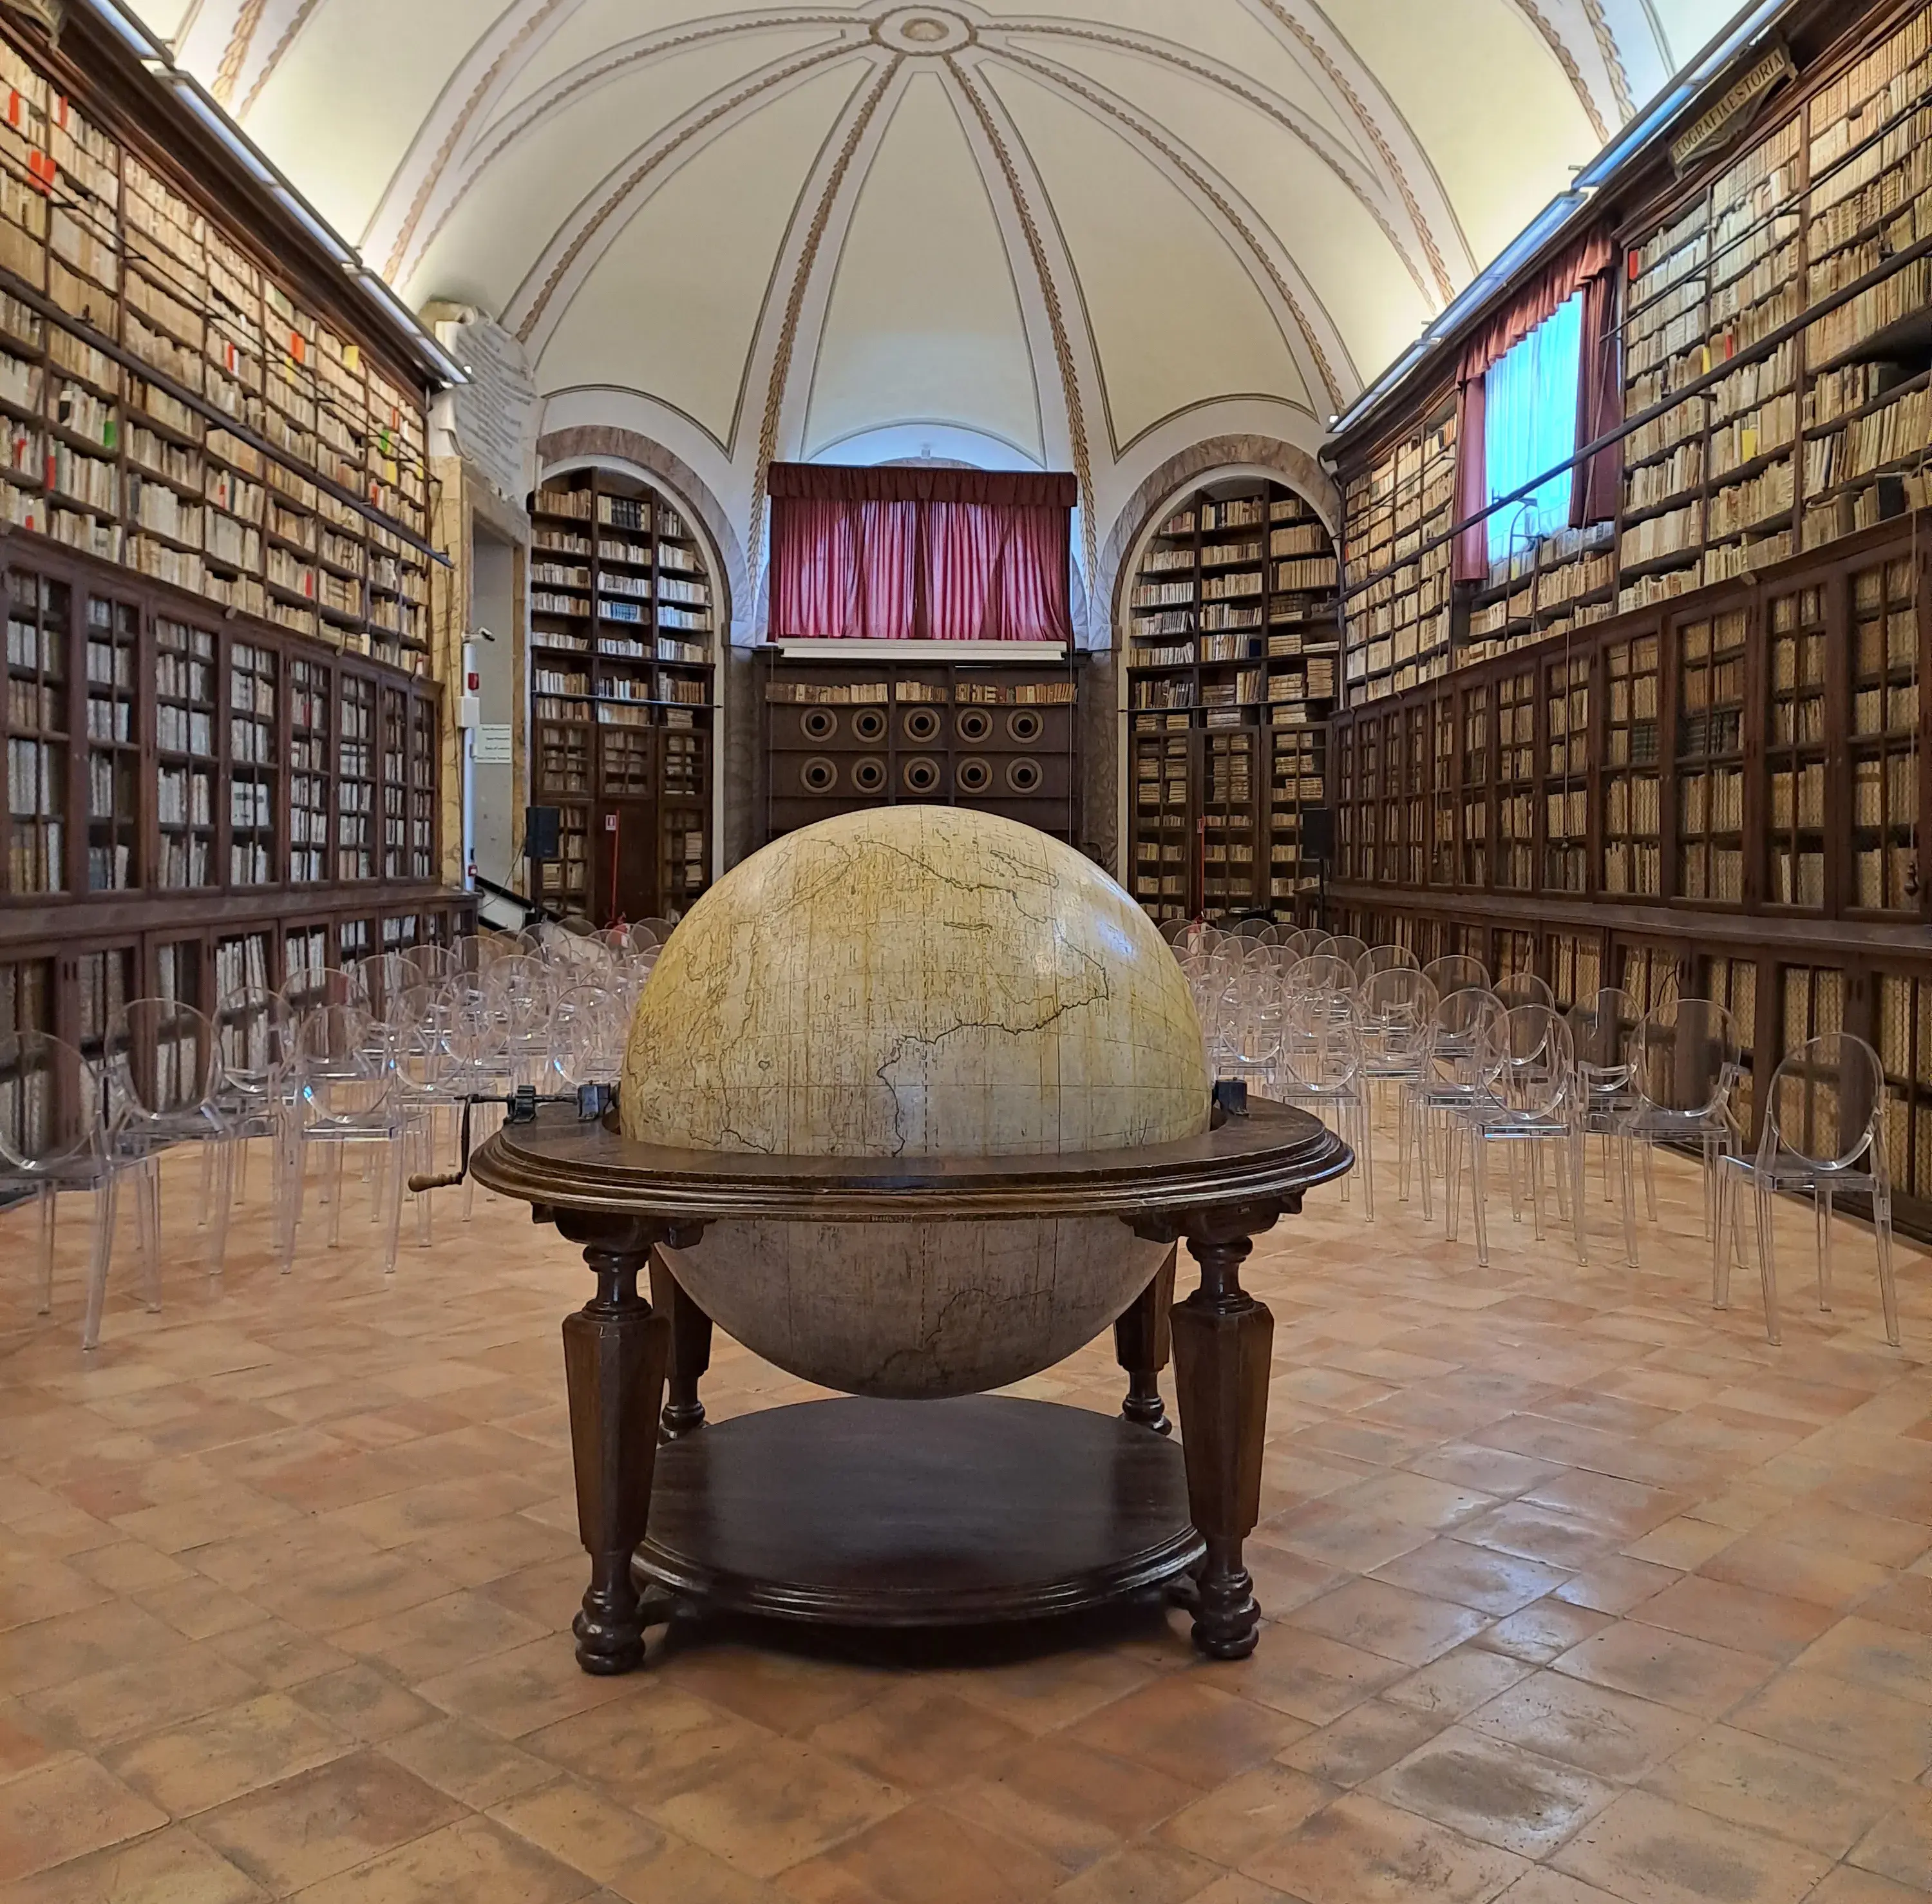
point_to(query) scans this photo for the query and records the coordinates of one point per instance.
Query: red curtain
(895, 554)
(1595, 492)
(1587, 263)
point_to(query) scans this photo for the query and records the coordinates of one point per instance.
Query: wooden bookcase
(1405, 496)
(876, 730)
(1232, 651)
(1829, 433)
(1732, 795)
(191, 797)
(624, 629)
(171, 402)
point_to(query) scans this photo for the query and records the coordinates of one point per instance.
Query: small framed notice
(493, 744)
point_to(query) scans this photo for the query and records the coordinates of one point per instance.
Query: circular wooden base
(862, 1513)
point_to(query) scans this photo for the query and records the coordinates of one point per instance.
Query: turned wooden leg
(1143, 1340)
(690, 1348)
(1223, 1339)
(616, 1350)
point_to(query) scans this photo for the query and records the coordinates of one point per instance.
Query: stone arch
(1296, 467)
(586, 441)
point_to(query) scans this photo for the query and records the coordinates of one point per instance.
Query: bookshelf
(1796, 722)
(624, 627)
(187, 753)
(1231, 650)
(1709, 783)
(1398, 629)
(186, 796)
(172, 405)
(1828, 434)
(1729, 746)
(38, 724)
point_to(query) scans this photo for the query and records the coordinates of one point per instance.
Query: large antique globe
(915, 981)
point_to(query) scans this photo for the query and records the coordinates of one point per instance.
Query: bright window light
(1529, 425)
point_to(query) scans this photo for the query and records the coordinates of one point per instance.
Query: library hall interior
(966, 952)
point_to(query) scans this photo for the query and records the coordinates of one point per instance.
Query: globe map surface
(914, 981)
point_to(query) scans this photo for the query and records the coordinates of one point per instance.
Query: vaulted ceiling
(1081, 233)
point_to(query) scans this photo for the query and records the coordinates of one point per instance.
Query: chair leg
(50, 1201)
(1478, 1193)
(1368, 1158)
(1821, 1205)
(1649, 1180)
(1535, 1163)
(151, 1243)
(1626, 1171)
(1720, 1242)
(1423, 1137)
(1887, 1293)
(295, 1168)
(224, 1202)
(241, 1174)
(391, 1184)
(207, 1187)
(1401, 1144)
(1579, 1147)
(332, 1172)
(99, 1257)
(1767, 1254)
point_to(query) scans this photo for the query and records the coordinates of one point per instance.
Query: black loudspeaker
(1318, 833)
(542, 826)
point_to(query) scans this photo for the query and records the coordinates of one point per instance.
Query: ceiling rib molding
(533, 112)
(573, 253)
(1371, 196)
(1349, 87)
(1237, 221)
(1560, 52)
(785, 344)
(1004, 140)
(395, 226)
(1612, 57)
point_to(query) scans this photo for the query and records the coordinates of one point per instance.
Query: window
(1529, 425)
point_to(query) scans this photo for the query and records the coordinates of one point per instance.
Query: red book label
(1636, 265)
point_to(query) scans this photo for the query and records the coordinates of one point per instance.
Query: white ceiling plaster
(1068, 225)
(925, 324)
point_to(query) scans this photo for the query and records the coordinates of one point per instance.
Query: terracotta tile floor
(1575, 1591)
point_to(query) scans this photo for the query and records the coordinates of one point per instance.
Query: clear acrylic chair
(1385, 958)
(1320, 1071)
(163, 1071)
(257, 1033)
(1530, 1100)
(1688, 1063)
(345, 1090)
(1395, 1009)
(1524, 988)
(1347, 948)
(1249, 1025)
(54, 1138)
(1452, 1076)
(1456, 972)
(1823, 1135)
(1603, 1032)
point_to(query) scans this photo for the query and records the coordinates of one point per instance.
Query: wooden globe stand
(911, 1513)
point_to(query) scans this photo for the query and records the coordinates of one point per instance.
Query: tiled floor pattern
(1576, 1591)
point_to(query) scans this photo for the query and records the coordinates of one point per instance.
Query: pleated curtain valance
(894, 553)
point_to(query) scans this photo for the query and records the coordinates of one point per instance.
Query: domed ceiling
(1086, 235)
